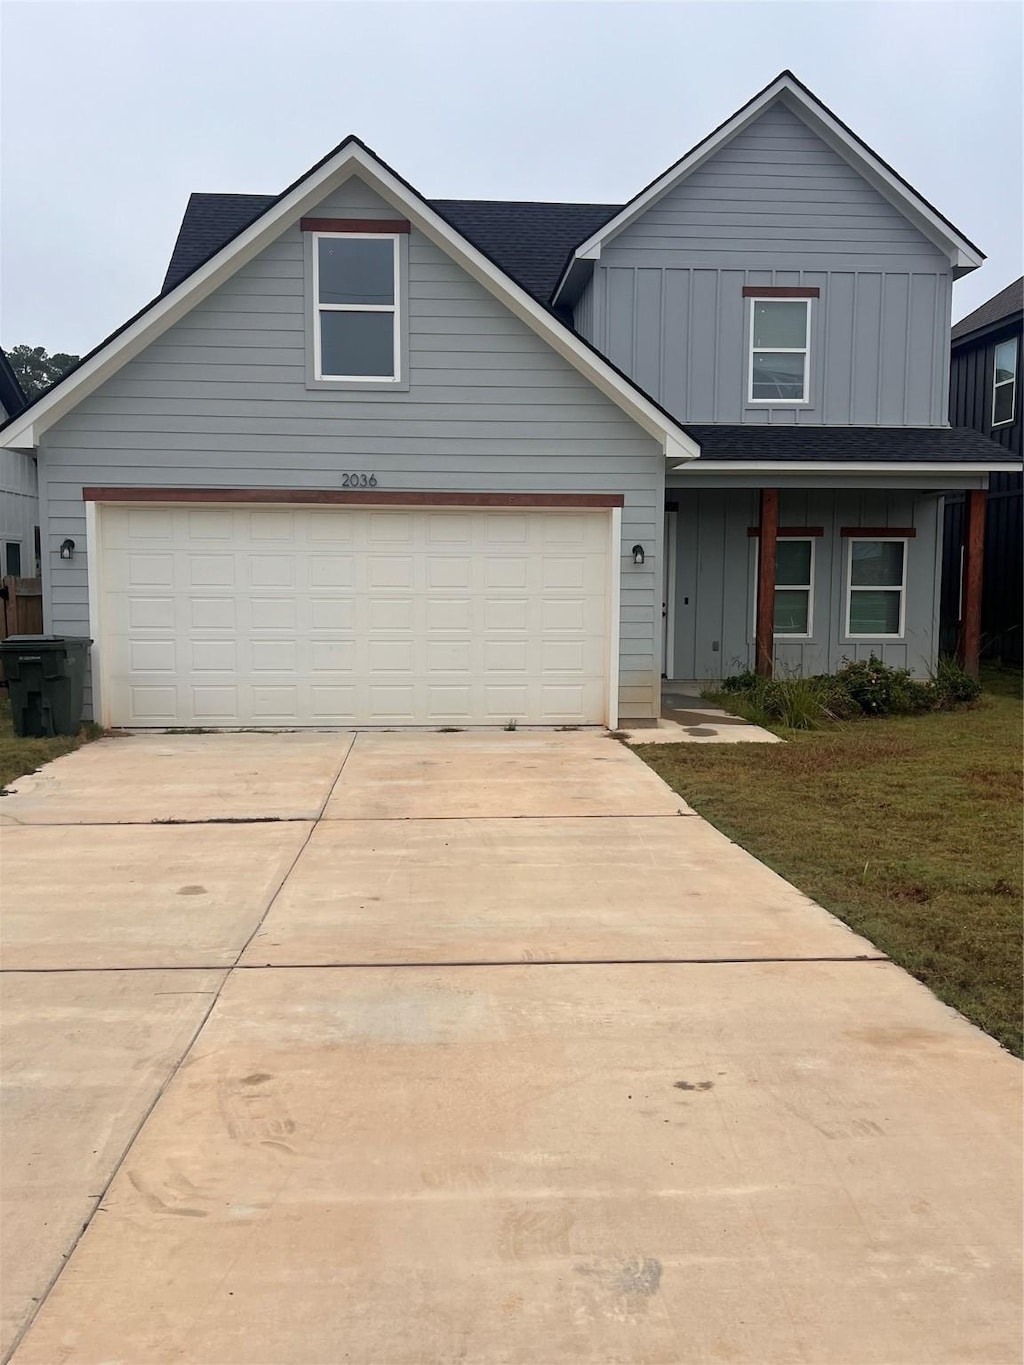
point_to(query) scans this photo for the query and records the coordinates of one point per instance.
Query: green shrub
(880, 690)
(952, 686)
(740, 682)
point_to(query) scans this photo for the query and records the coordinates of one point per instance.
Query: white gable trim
(351, 158)
(963, 254)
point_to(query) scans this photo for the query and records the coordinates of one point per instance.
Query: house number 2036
(359, 480)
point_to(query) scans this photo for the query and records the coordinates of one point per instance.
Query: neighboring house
(19, 502)
(375, 460)
(984, 393)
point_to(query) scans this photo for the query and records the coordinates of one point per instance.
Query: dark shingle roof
(1002, 305)
(859, 445)
(210, 220)
(12, 398)
(530, 241)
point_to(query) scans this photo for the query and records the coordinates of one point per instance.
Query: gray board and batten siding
(776, 206)
(221, 400)
(716, 561)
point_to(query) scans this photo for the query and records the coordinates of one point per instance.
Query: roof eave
(892, 467)
(985, 330)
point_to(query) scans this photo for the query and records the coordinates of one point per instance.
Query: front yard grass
(20, 756)
(907, 828)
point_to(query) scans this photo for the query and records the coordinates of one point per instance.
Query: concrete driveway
(474, 1047)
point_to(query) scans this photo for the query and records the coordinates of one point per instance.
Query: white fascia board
(675, 450)
(590, 250)
(350, 160)
(961, 252)
(705, 466)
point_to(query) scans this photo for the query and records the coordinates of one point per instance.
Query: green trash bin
(46, 681)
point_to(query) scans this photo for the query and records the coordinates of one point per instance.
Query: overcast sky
(113, 113)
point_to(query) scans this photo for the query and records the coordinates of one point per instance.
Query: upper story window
(355, 297)
(779, 342)
(1004, 383)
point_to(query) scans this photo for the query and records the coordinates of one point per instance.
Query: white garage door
(352, 616)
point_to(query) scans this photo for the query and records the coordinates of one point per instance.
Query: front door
(668, 595)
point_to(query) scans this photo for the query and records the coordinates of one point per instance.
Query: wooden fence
(21, 608)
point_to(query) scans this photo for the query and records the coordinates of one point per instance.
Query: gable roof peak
(962, 253)
(350, 157)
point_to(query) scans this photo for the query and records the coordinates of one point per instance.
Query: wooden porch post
(974, 555)
(767, 536)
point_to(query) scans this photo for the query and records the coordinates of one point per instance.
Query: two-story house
(984, 393)
(371, 459)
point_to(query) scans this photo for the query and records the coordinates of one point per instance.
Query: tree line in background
(35, 370)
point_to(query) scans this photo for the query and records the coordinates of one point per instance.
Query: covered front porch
(797, 572)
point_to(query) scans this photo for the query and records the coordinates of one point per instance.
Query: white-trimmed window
(1004, 382)
(794, 588)
(780, 332)
(355, 300)
(876, 588)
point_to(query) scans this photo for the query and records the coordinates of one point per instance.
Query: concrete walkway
(476, 1047)
(686, 718)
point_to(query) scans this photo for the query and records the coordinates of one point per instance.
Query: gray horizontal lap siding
(776, 207)
(220, 401)
(715, 569)
(19, 508)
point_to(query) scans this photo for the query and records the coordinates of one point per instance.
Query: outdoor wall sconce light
(67, 549)
(638, 554)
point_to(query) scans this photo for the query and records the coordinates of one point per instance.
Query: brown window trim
(339, 497)
(798, 532)
(878, 532)
(382, 225)
(772, 291)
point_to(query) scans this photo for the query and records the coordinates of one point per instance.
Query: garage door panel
(353, 617)
(151, 705)
(209, 613)
(332, 613)
(210, 525)
(331, 704)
